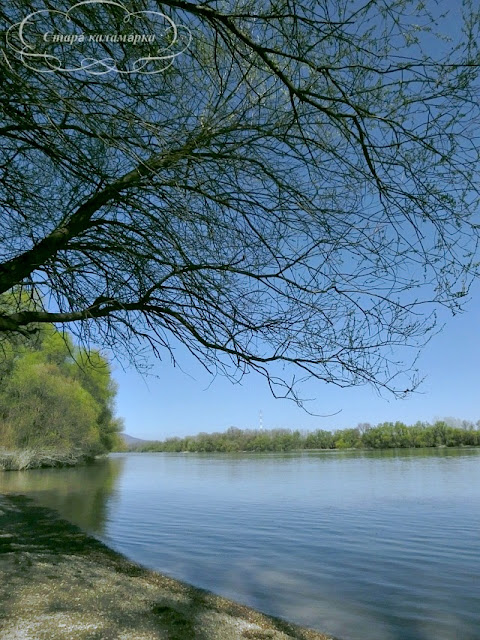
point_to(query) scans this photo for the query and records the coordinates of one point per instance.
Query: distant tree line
(55, 398)
(387, 435)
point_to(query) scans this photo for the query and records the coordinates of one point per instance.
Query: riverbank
(387, 435)
(58, 583)
(24, 459)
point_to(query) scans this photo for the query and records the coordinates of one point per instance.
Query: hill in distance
(129, 440)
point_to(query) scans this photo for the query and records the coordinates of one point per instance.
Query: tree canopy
(56, 396)
(298, 187)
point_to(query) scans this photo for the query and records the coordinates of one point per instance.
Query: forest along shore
(58, 583)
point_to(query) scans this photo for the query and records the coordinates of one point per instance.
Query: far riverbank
(387, 435)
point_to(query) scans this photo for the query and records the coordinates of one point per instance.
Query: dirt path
(57, 583)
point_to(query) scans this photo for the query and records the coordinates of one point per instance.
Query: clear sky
(182, 403)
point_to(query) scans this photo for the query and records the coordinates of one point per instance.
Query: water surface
(362, 545)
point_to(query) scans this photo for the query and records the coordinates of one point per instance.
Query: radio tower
(261, 421)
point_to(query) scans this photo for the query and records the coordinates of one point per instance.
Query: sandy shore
(57, 583)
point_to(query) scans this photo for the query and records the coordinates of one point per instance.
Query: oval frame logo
(53, 41)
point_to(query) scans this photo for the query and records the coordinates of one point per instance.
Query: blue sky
(180, 403)
(177, 403)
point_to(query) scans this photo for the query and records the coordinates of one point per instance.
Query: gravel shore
(58, 583)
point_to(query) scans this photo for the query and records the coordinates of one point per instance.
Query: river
(362, 545)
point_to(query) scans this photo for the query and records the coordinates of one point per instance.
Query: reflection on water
(363, 545)
(79, 494)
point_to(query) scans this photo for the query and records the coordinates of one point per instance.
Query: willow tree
(297, 188)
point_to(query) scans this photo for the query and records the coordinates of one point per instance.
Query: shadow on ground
(58, 583)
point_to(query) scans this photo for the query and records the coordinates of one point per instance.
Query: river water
(362, 545)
